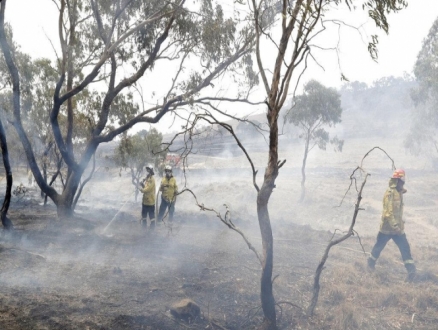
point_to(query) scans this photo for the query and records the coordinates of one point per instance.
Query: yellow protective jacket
(168, 188)
(149, 191)
(392, 222)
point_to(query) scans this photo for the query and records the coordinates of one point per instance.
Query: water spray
(115, 216)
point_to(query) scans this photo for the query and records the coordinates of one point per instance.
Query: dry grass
(353, 298)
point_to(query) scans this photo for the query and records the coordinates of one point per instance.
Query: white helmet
(168, 168)
(150, 168)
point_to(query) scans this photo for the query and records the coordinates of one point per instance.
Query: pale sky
(35, 21)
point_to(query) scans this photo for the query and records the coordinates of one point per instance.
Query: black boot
(412, 272)
(152, 226)
(371, 264)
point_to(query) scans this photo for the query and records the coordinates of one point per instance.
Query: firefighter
(392, 224)
(148, 203)
(169, 190)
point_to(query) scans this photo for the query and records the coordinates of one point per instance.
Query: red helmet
(399, 174)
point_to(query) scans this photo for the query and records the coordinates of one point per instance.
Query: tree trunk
(64, 205)
(266, 294)
(16, 101)
(81, 186)
(303, 169)
(7, 223)
(263, 196)
(65, 208)
(45, 180)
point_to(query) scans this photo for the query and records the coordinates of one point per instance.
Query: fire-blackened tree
(299, 24)
(6, 222)
(114, 44)
(317, 108)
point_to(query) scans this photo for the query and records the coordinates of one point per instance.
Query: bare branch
(259, 59)
(229, 128)
(226, 221)
(366, 155)
(350, 232)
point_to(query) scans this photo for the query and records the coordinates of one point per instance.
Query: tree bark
(81, 186)
(65, 203)
(6, 222)
(263, 196)
(266, 294)
(54, 176)
(16, 92)
(303, 169)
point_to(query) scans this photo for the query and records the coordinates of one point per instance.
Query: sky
(34, 24)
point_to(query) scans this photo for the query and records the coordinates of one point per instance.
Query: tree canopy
(141, 149)
(107, 48)
(314, 110)
(422, 136)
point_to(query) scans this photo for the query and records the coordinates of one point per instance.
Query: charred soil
(83, 273)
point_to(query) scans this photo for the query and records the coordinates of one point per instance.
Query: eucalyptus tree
(106, 48)
(422, 136)
(312, 111)
(299, 22)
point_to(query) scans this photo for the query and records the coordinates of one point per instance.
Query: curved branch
(229, 128)
(259, 59)
(350, 232)
(226, 221)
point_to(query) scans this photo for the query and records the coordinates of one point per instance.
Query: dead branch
(349, 233)
(225, 220)
(208, 117)
(352, 179)
(366, 155)
(352, 176)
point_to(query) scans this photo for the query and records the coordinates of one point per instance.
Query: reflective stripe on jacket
(392, 222)
(168, 188)
(149, 191)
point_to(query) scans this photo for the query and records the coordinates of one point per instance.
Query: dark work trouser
(163, 207)
(402, 244)
(148, 210)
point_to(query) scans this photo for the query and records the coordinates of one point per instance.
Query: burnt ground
(71, 275)
(75, 274)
